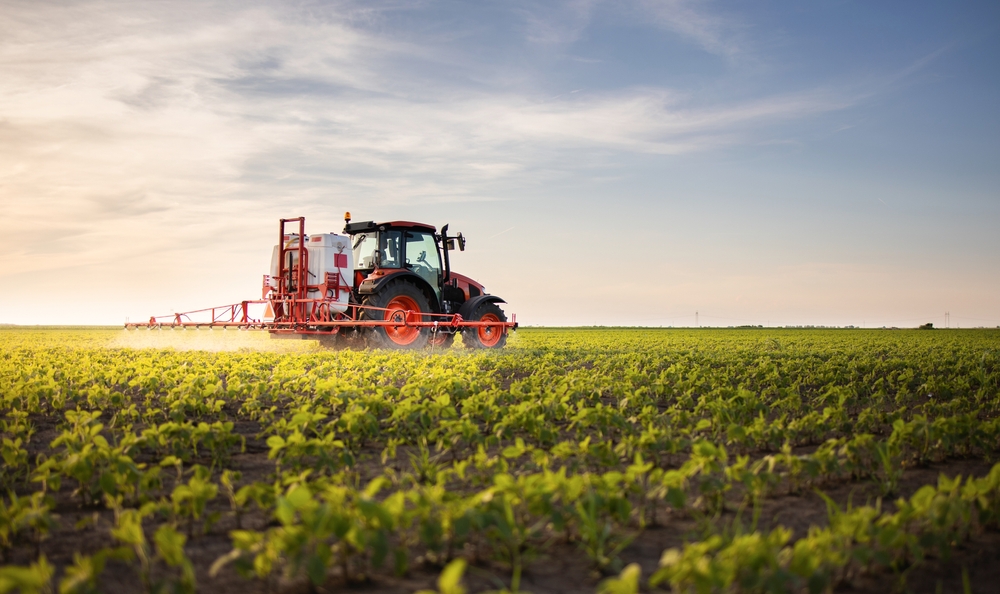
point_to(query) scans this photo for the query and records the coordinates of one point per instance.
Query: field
(581, 460)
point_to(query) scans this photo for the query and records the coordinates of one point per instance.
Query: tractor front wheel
(399, 302)
(486, 337)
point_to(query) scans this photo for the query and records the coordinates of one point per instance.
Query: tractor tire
(485, 338)
(397, 297)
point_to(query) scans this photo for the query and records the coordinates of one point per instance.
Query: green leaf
(450, 580)
(627, 581)
(170, 545)
(316, 570)
(33, 579)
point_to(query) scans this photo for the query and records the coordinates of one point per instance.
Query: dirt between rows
(558, 567)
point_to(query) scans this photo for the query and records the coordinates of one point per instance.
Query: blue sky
(611, 162)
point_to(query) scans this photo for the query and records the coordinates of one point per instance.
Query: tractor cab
(398, 246)
(404, 248)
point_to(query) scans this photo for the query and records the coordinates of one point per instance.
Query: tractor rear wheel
(486, 337)
(400, 302)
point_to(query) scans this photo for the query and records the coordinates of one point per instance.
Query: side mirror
(461, 242)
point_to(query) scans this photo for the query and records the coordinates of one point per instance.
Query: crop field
(582, 460)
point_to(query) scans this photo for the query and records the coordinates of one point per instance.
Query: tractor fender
(372, 285)
(469, 307)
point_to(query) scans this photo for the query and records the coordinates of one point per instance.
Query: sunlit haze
(611, 163)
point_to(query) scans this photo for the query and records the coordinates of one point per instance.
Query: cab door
(422, 258)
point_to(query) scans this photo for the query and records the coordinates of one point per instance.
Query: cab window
(378, 250)
(422, 257)
(365, 248)
(390, 254)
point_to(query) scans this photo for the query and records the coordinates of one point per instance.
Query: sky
(611, 163)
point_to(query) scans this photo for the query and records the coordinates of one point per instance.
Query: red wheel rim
(397, 309)
(437, 339)
(489, 335)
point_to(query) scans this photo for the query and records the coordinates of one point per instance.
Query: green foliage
(317, 532)
(167, 549)
(34, 579)
(627, 582)
(25, 515)
(934, 519)
(81, 577)
(376, 461)
(450, 580)
(188, 501)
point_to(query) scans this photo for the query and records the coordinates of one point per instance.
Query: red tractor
(404, 269)
(387, 285)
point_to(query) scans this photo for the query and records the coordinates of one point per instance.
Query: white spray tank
(331, 263)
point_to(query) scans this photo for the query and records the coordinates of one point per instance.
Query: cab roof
(365, 226)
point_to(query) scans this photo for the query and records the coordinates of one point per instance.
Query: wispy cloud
(696, 21)
(202, 96)
(699, 22)
(556, 23)
(908, 71)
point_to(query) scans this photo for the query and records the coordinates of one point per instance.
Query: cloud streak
(691, 19)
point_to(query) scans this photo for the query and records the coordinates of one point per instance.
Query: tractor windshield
(384, 249)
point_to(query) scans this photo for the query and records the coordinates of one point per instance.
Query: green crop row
(321, 525)
(856, 540)
(566, 438)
